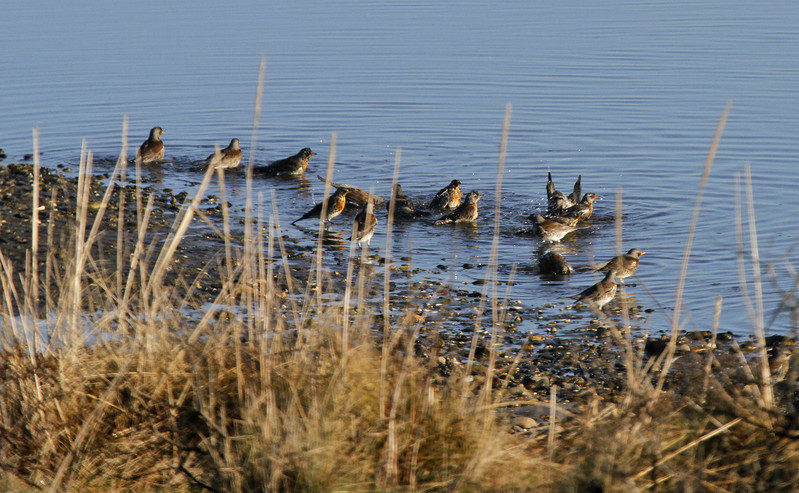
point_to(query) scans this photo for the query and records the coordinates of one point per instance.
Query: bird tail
(550, 185)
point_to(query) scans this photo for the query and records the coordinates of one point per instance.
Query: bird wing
(441, 199)
(359, 195)
(577, 192)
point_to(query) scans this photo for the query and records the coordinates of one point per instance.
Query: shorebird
(552, 228)
(584, 209)
(229, 157)
(553, 263)
(152, 149)
(465, 213)
(403, 205)
(363, 227)
(624, 265)
(448, 198)
(601, 293)
(291, 166)
(557, 201)
(335, 206)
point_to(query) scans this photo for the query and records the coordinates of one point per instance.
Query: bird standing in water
(335, 206)
(558, 202)
(624, 265)
(291, 166)
(448, 198)
(553, 263)
(152, 149)
(229, 157)
(601, 293)
(363, 227)
(552, 229)
(465, 213)
(403, 205)
(583, 209)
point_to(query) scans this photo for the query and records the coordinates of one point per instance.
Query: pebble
(524, 422)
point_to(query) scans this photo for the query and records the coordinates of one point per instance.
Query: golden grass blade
(34, 288)
(636, 378)
(295, 309)
(167, 253)
(50, 262)
(138, 251)
(122, 164)
(345, 311)
(32, 295)
(102, 207)
(712, 347)
(220, 175)
(11, 301)
(256, 119)
(678, 298)
(331, 163)
(492, 270)
(387, 285)
(757, 285)
(553, 421)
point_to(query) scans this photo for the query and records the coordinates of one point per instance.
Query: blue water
(626, 93)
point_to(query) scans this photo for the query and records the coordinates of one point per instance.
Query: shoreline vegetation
(126, 365)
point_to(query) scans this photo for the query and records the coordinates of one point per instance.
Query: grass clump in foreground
(129, 383)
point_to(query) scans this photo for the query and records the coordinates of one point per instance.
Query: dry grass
(124, 383)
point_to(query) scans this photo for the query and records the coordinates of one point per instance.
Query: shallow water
(627, 94)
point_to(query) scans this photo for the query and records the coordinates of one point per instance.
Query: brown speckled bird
(335, 206)
(403, 205)
(553, 263)
(601, 293)
(152, 149)
(553, 228)
(229, 157)
(363, 227)
(291, 166)
(448, 198)
(557, 201)
(465, 213)
(624, 265)
(584, 209)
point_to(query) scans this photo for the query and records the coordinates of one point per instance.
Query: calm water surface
(626, 93)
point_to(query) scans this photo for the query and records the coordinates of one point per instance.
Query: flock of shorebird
(562, 215)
